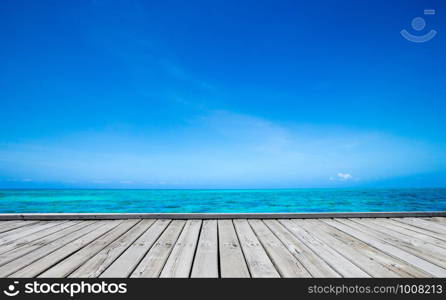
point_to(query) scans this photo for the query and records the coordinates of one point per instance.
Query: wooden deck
(328, 247)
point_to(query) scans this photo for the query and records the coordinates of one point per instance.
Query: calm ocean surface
(221, 201)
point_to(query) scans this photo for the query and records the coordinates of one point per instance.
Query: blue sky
(221, 94)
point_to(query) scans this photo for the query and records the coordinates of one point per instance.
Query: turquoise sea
(221, 201)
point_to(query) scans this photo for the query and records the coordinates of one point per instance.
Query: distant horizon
(221, 95)
(222, 201)
(237, 189)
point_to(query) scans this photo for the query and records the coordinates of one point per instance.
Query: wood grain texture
(68, 265)
(179, 263)
(152, 264)
(241, 247)
(127, 262)
(341, 264)
(259, 264)
(285, 263)
(371, 260)
(316, 266)
(232, 260)
(95, 266)
(47, 261)
(375, 240)
(206, 258)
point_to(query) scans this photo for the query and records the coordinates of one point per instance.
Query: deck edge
(115, 216)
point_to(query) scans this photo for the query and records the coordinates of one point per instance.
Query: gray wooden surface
(240, 247)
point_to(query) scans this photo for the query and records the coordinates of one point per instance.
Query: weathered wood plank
(179, 263)
(374, 262)
(27, 230)
(316, 266)
(437, 241)
(431, 222)
(419, 248)
(338, 262)
(30, 239)
(257, 259)
(152, 264)
(38, 266)
(286, 264)
(127, 262)
(372, 239)
(415, 229)
(417, 222)
(366, 263)
(45, 249)
(232, 261)
(441, 220)
(51, 241)
(206, 258)
(68, 265)
(18, 230)
(378, 247)
(11, 225)
(7, 225)
(102, 260)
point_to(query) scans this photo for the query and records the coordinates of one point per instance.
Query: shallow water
(221, 201)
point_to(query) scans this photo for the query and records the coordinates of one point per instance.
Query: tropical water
(221, 201)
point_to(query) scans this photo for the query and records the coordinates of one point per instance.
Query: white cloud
(342, 177)
(345, 176)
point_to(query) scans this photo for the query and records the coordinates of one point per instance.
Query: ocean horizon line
(228, 189)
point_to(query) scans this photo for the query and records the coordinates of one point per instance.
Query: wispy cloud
(343, 177)
(175, 70)
(222, 149)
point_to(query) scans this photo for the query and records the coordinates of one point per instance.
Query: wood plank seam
(142, 255)
(241, 248)
(99, 269)
(245, 247)
(195, 250)
(284, 245)
(109, 241)
(402, 254)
